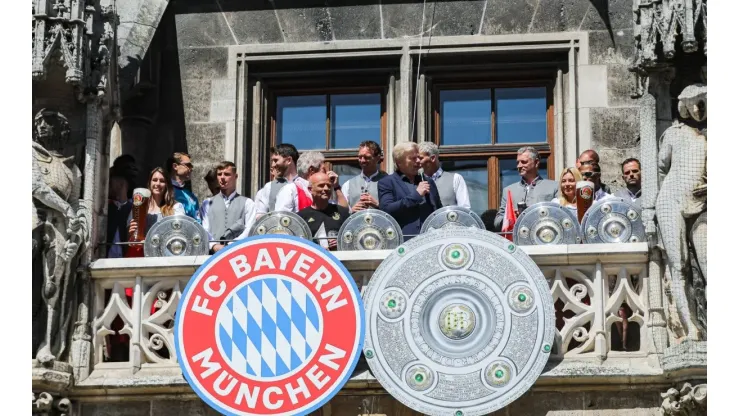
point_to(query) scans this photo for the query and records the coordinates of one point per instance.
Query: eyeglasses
(589, 174)
(187, 165)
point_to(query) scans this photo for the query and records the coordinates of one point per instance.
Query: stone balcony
(599, 291)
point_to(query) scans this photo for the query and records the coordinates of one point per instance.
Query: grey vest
(446, 188)
(274, 189)
(357, 184)
(226, 224)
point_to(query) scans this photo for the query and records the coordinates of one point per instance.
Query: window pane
(466, 117)
(354, 118)
(345, 171)
(301, 121)
(508, 173)
(475, 173)
(521, 115)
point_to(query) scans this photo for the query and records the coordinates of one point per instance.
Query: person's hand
(423, 188)
(132, 228)
(218, 247)
(369, 201)
(333, 178)
(333, 244)
(359, 206)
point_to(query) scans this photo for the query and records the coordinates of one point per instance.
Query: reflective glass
(465, 117)
(301, 121)
(354, 118)
(521, 115)
(345, 171)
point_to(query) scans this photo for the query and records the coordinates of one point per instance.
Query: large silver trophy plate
(176, 235)
(547, 223)
(281, 222)
(613, 220)
(458, 321)
(369, 229)
(452, 216)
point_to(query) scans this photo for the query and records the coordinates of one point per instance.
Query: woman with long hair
(567, 196)
(161, 204)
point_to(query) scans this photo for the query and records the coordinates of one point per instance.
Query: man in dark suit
(405, 194)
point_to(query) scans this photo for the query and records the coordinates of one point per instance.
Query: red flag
(304, 198)
(509, 217)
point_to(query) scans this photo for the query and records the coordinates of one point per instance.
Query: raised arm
(388, 202)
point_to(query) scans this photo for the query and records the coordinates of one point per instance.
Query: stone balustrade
(600, 293)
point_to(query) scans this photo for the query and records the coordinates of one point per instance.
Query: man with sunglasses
(180, 167)
(592, 172)
(632, 176)
(590, 157)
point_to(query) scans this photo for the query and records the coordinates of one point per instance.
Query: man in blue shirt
(405, 195)
(180, 167)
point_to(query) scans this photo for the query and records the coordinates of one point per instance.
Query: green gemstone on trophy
(392, 303)
(459, 413)
(546, 348)
(369, 354)
(522, 297)
(419, 378)
(401, 250)
(455, 254)
(511, 247)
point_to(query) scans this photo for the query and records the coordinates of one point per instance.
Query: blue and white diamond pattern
(268, 327)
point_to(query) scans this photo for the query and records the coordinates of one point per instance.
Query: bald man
(322, 212)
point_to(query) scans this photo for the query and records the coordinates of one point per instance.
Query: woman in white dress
(567, 196)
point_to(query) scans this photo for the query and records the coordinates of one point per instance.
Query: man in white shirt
(283, 161)
(361, 191)
(228, 216)
(451, 186)
(297, 195)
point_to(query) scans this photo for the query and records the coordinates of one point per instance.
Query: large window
(480, 126)
(333, 121)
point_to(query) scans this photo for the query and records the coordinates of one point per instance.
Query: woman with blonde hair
(161, 204)
(567, 195)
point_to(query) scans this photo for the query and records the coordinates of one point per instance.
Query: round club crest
(459, 322)
(613, 220)
(369, 229)
(452, 216)
(176, 235)
(255, 330)
(547, 223)
(282, 223)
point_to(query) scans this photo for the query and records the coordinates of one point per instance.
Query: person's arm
(262, 200)
(461, 191)
(285, 200)
(341, 199)
(178, 209)
(501, 210)
(250, 215)
(389, 204)
(207, 225)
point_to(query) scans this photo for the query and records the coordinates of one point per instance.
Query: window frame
(343, 156)
(493, 153)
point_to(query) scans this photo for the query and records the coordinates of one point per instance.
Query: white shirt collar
(369, 178)
(230, 197)
(437, 174)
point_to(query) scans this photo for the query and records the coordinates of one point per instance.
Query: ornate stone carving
(689, 401)
(682, 175)
(46, 404)
(60, 230)
(79, 34)
(658, 23)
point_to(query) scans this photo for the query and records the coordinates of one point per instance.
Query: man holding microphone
(405, 195)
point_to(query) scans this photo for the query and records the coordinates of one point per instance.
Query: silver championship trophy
(281, 222)
(613, 220)
(369, 229)
(452, 216)
(547, 223)
(176, 235)
(458, 321)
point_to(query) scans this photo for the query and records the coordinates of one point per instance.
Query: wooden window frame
(495, 152)
(343, 156)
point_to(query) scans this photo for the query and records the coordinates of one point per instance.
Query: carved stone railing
(597, 290)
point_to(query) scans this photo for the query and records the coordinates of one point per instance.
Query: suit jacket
(398, 197)
(544, 190)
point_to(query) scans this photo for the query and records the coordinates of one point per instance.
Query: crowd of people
(304, 185)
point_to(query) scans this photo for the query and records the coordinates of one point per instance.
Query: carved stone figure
(682, 170)
(690, 401)
(60, 229)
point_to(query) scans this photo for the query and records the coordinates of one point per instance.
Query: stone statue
(60, 229)
(690, 401)
(682, 171)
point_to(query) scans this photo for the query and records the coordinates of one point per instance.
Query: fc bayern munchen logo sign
(269, 325)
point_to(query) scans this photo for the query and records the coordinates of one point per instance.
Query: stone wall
(545, 403)
(203, 31)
